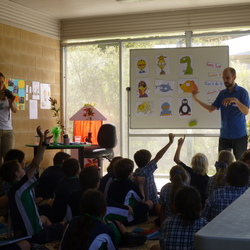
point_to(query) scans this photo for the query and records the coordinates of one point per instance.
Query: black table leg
(81, 157)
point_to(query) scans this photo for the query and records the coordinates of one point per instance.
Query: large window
(99, 73)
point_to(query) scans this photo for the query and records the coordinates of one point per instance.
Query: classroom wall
(31, 57)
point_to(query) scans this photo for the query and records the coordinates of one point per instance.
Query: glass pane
(92, 76)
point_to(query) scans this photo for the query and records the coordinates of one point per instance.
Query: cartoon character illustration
(189, 69)
(165, 109)
(142, 87)
(184, 108)
(188, 87)
(141, 64)
(144, 108)
(90, 162)
(161, 64)
(164, 87)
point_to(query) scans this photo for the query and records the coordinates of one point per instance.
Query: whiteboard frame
(202, 57)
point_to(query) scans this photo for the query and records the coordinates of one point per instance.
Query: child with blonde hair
(198, 170)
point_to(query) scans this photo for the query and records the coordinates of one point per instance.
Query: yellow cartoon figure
(141, 64)
(144, 108)
(161, 64)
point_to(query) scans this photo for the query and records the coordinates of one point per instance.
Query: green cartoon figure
(189, 69)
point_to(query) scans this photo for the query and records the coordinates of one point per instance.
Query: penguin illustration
(184, 108)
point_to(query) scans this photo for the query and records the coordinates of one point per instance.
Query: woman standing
(7, 138)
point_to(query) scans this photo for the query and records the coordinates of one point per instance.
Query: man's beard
(229, 85)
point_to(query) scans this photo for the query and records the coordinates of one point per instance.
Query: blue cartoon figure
(142, 87)
(164, 87)
(165, 109)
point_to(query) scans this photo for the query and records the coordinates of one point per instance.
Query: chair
(107, 140)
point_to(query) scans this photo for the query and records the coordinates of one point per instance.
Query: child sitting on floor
(89, 179)
(179, 179)
(23, 210)
(109, 177)
(124, 190)
(198, 172)
(64, 188)
(178, 230)
(237, 179)
(89, 231)
(146, 168)
(218, 180)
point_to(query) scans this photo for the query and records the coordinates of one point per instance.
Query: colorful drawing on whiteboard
(187, 85)
(186, 65)
(143, 88)
(164, 87)
(162, 63)
(185, 107)
(165, 106)
(142, 67)
(144, 108)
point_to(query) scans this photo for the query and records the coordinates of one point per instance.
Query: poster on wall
(17, 87)
(44, 96)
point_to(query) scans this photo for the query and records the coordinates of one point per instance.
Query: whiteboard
(161, 84)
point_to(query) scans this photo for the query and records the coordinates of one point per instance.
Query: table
(229, 230)
(80, 148)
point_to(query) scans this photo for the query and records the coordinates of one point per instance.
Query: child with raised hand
(218, 180)
(89, 231)
(198, 171)
(23, 210)
(178, 179)
(147, 167)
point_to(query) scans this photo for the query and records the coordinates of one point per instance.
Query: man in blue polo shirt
(233, 103)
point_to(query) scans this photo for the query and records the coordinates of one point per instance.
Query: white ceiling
(64, 9)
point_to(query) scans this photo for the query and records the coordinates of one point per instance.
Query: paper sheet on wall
(45, 94)
(35, 90)
(33, 109)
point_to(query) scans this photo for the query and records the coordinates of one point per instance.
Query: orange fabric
(81, 128)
